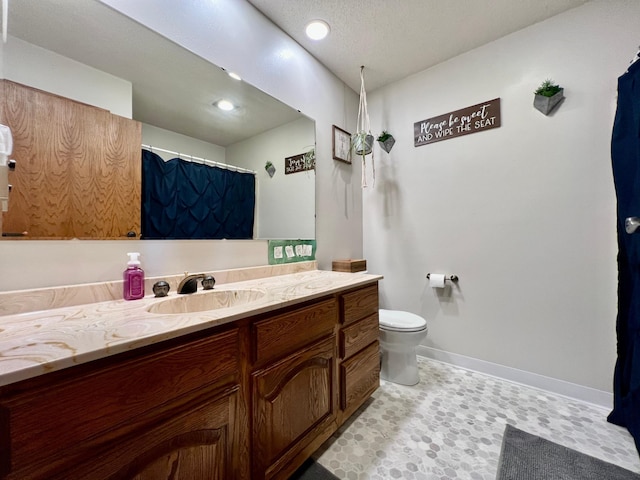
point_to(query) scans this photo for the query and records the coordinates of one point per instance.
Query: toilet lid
(401, 321)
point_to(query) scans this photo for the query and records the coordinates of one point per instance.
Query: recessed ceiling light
(225, 105)
(235, 76)
(317, 29)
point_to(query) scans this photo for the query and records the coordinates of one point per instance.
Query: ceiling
(396, 38)
(172, 88)
(391, 38)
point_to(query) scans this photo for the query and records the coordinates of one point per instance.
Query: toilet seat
(400, 321)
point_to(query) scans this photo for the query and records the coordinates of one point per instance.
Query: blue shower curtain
(625, 156)
(186, 200)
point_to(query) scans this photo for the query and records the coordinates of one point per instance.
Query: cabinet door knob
(11, 164)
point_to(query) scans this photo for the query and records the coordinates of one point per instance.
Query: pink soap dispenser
(133, 278)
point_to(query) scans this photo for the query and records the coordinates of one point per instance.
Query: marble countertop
(35, 343)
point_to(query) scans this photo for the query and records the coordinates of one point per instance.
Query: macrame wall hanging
(362, 140)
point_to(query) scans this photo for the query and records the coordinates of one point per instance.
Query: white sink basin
(202, 302)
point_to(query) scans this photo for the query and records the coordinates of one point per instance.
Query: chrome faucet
(189, 284)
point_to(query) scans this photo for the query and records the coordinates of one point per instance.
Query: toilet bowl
(400, 334)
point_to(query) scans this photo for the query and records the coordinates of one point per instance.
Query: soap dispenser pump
(133, 278)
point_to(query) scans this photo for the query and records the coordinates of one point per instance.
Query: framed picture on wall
(341, 145)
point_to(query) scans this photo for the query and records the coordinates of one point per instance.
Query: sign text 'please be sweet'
(477, 118)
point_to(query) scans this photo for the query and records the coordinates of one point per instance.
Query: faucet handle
(208, 282)
(161, 288)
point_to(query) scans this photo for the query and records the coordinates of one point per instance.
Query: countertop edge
(17, 357)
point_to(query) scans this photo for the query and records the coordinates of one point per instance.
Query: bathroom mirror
(84, 50)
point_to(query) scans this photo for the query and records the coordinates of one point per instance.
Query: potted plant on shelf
(547, 96)
(271, 170)
(386, 141)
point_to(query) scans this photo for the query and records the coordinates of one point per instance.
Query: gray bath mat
(311, 470)
(528, 457)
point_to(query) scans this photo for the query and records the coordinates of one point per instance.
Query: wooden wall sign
(299, 163)
(477, 118)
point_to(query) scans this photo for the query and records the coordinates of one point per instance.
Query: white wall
(286, 203)
(234, 35)
(176, 142)
(39, 68)
(524, 214)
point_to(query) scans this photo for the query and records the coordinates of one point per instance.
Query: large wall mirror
(86, 52)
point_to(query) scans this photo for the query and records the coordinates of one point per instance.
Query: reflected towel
(6, 144)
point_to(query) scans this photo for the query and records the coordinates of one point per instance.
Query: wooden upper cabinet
(78, 171)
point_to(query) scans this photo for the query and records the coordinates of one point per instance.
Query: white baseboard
(553, 385)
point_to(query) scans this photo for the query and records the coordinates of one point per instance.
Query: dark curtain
(625, 156)
(187, 200)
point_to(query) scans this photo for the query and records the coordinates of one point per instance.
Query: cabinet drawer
(359, 304)
(359, 377)
(67, 413)
(282, 334)
(358, 335)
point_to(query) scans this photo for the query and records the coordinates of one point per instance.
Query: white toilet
(400, 334)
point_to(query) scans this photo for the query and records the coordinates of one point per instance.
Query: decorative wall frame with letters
(341, 145)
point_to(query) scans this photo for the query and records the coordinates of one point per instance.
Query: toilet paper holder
(451, 278)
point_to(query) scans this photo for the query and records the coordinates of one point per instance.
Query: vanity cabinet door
(78, 172)
(195, 444)
(295, 404)
(175, 402)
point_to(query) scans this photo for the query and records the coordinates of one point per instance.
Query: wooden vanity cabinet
(359, 361)
(301, 399)
(169, 409)
(249, 400)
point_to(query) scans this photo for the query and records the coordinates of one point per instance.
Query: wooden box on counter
(350, 266)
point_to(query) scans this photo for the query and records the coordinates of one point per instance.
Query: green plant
(383, 136)
(548, 88)
(268, 165)
(310, 157)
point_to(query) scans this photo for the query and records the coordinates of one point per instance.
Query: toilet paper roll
(436, 280)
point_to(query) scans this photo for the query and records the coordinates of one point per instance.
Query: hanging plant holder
(362, 140)
(271, 170)
(386, 141)
(387, 145)
(362, 143)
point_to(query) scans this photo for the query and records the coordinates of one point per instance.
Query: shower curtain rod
(200, 160)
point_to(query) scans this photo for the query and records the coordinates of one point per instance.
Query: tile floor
(450, 426)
